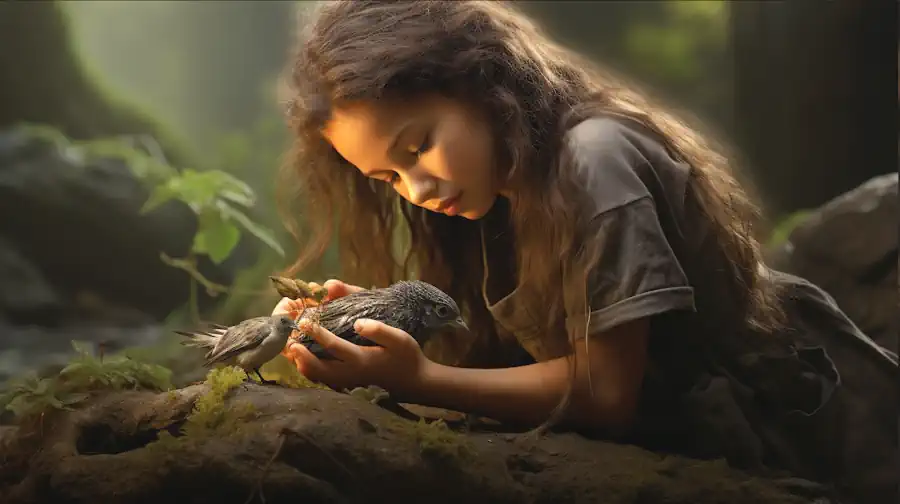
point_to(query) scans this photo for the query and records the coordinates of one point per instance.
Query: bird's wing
(339, 315)
(238, 338)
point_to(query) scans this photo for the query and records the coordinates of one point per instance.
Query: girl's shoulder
(618, 160)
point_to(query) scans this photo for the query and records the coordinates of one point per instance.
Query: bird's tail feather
(206, 339)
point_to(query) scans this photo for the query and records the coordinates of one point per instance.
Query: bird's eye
(440, 311)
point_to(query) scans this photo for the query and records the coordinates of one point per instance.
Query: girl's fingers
(339, 348)
(288, 307)
(337, 288)
(380, 333)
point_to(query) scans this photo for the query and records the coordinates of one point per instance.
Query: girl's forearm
(606, 384)
(522, 395)
(527, 395)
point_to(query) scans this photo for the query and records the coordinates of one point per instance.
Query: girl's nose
(420, 188)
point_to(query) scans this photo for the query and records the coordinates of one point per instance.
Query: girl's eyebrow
(398, 134)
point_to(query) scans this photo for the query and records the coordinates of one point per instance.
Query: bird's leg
(248, 380)
(263, 380)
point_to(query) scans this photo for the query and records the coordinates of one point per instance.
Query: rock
(78, 223)
(849, 247)
(318, 446)
(25, 293)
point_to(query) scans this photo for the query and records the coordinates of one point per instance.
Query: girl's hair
(489, 55)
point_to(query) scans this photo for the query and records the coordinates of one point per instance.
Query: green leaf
(265, 235)
(72, 368)
(74, 399)
(43, 386)
(81, 348)
(19, 405)
(216, 238)
(161, 194)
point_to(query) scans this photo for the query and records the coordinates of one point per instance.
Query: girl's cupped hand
(396, 365)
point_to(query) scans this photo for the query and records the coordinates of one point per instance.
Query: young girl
(601, 251)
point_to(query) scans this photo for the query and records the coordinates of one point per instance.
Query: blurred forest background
(798, 90)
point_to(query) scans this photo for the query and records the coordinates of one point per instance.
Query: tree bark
(814, 96)
(42, 81)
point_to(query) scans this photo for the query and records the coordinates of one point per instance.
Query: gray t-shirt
(817, 399)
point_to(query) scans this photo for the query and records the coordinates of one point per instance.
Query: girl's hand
(294, 308)
(396, 366)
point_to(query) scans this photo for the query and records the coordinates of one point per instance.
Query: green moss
(211, 417)
(211, 414)
(436, 439)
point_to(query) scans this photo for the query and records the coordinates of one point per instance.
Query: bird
(248, 344)
(414, 306)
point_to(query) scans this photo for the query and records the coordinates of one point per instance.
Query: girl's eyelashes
(423, 147)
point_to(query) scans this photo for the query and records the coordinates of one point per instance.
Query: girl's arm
(528, 394)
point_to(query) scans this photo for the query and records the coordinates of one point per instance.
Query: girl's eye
(424, 147)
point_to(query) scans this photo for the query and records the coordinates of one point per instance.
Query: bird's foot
(263, 380)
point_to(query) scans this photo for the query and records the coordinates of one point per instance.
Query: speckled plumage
(416, 307)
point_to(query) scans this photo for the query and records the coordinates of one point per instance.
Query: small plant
(215, 197)
(117, 372)
(218, 198)
(32, 397)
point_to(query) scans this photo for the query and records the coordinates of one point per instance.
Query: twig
(213, 288)
(262, 476)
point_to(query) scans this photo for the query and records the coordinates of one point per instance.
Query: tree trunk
(42, 81)
(814, 96)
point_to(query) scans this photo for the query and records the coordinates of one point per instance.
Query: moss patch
(435, 439)
(211, 415)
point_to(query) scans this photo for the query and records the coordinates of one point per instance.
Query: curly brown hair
(487, 54)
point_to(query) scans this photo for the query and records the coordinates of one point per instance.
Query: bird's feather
(239, 338)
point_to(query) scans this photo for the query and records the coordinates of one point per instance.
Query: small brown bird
(249, 344)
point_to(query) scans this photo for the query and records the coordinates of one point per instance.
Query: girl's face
(436, 153)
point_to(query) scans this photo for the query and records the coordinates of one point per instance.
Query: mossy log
(318, 446)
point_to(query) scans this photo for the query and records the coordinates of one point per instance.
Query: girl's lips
(450, 206)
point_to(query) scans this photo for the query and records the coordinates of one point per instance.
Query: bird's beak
(296, 327)
(459, 323)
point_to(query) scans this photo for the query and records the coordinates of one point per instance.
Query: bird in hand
(249, 344)
(417, 307)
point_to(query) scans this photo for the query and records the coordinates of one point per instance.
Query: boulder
(849, 247)
(277, 444)
(72, 226)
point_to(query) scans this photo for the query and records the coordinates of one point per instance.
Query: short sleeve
(635, 272)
